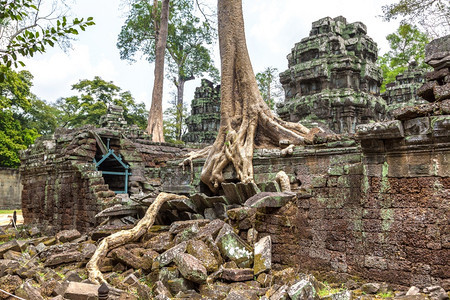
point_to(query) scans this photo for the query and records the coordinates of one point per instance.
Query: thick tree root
(283, 180)
(125, 236)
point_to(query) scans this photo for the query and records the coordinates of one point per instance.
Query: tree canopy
(23, 117)
(269, 86)
(25, 30)
(432, 15)
(188, 55)
(407, 45)
(92, 102)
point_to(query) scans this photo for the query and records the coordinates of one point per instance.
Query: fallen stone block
(370, 288)
(167, 257)
(237, 274)
(81, 291)
(64, 258)
(179, 285)
(269, 199)
(211, 229)
(11, 245)
(236, 249)
(179, 226)
(442, 92)
(202, 252)
(344, 295)
(302, 289)
(263, 255)
(380, 130)
(68, 235)
(191, 268)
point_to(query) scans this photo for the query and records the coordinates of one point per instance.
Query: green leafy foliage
(26, 32)
(407, 45)
(16, 114)
(269, 86)
(171, 124)
(187, 51)
(431, 15)
(92, 103)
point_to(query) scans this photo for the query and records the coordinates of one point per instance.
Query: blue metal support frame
(119, 159)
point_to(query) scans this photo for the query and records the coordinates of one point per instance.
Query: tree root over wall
(125, 236)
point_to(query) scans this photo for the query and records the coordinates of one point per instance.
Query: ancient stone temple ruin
(403, 91)
(369, 206)
(71, 176)
(204, 121)
(333, 79)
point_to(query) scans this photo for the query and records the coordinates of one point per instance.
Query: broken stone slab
(63, 258)
(371, 288)
(380, 130)
(232, 193)
(12, 255)
(68, 235)
(240, 213)
(167, 273)
(191, 268)
(412, 112)
(208, 202)
(211, 229)
(269, 199)
(202, 252)
(178, 226)
(237, 274)
(413, 291)
(131, 279)
(32, 292)
(177, 285)
(162, 290)
(343, 295)
(186, 234)
(137, 258)
(442, 92)
(183, 205)
(168, 256)
(119, 210)
(236, 249)
(262, 255)
(81, 291)
(247, 190)
(160, 243)
(220, 210)
(281, 293)
(302, 289)
(11, 245)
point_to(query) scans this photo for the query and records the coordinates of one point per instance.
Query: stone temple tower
(333, 79)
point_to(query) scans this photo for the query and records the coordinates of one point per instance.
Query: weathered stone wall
(62, 187)
(378, 209)
(10, 189)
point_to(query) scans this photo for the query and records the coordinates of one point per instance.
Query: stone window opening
(114, 170)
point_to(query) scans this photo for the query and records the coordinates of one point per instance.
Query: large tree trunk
(246, 120)
(155, 117)
(180, 100)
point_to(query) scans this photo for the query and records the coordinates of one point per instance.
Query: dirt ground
(5, 219)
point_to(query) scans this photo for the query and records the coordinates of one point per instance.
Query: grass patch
(388, 294)
(328, 290)
(4, 211)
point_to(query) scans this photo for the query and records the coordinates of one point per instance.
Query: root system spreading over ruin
(246, 120)
(125, 236)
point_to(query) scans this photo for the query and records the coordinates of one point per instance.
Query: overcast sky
(272, 29)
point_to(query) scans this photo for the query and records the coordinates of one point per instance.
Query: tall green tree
(269, 86)
(431, 15)
(26, 28)
(23, 117)
(188, 39)
(92, 102)
(407, 45)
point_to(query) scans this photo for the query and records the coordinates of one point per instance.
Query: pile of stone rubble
(194, 259)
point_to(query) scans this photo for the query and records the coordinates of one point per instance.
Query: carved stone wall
(62, 188)
(204, 121)
(333, 79)
(10, 189)
(403, 91)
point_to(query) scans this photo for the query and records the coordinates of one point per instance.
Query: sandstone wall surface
(10, 189)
